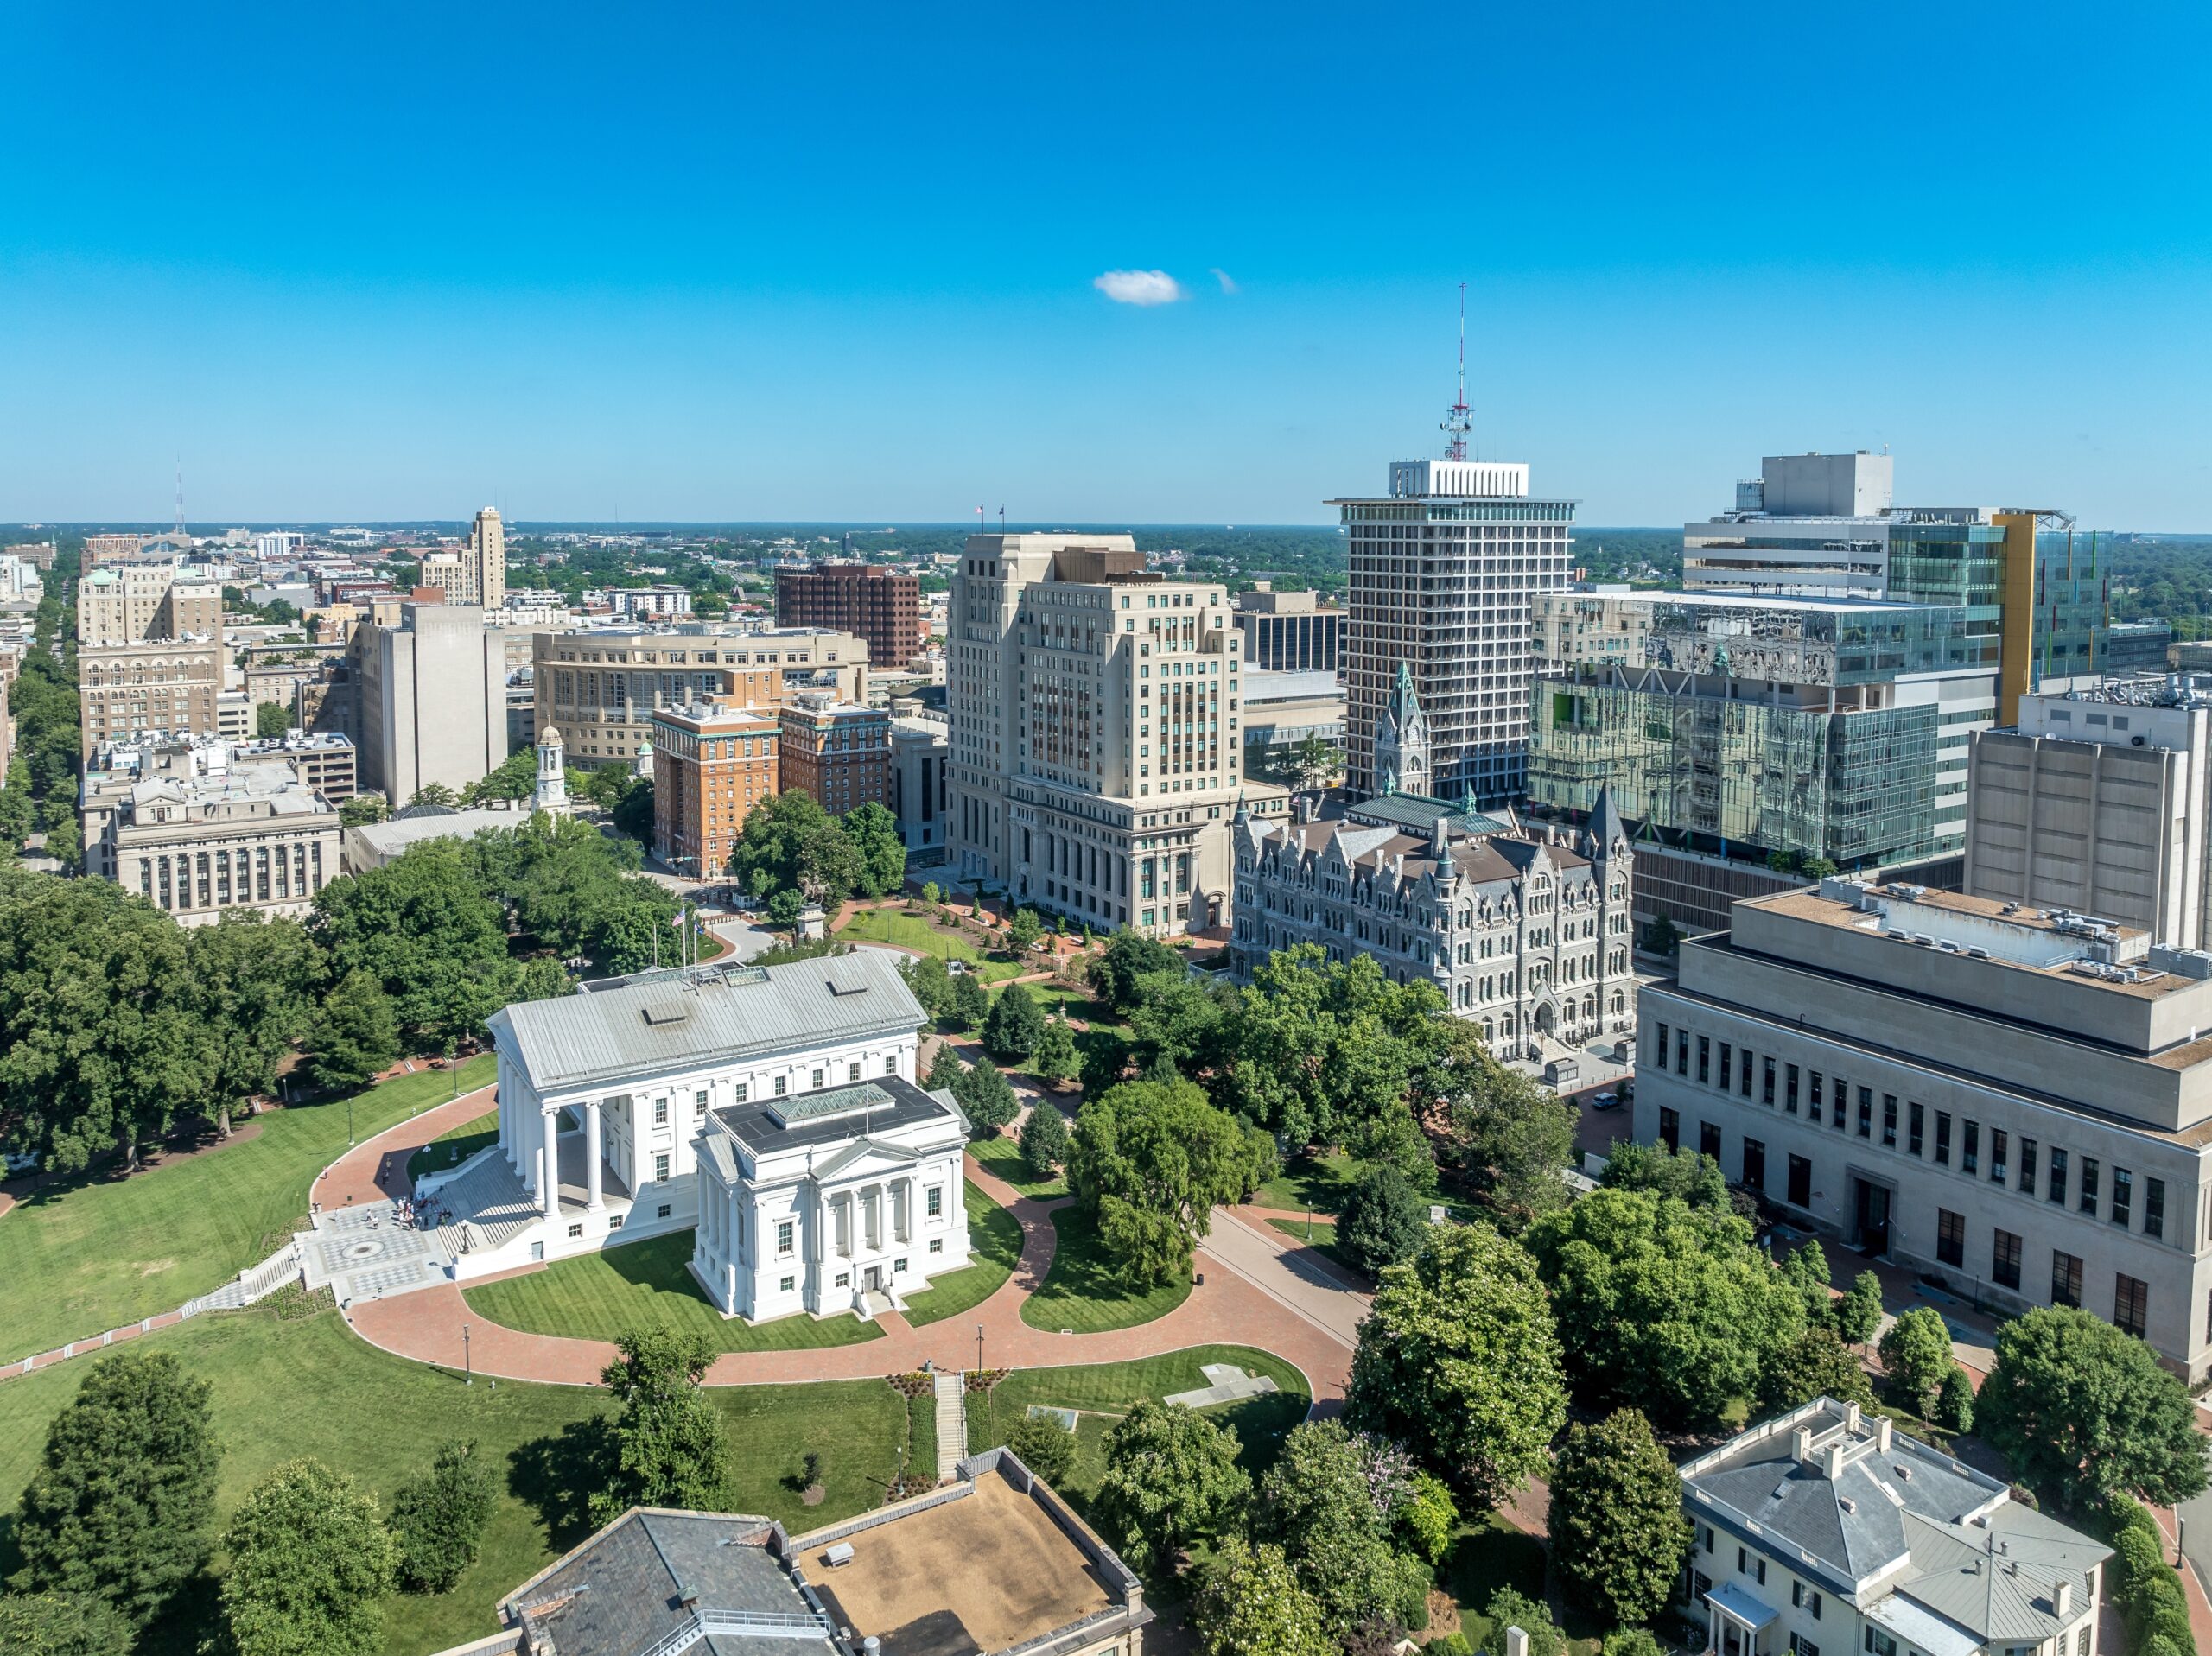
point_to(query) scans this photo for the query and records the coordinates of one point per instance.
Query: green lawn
(605, 1295)
(1002, 1157)
(288, 1389)
(912, 932)
(995, 1236)
(1323, 1240)
(1080, 1292)
(1105, 1391)
(455, 1145)
(1320, 1184)
(1487, 1555)
(105, 1251)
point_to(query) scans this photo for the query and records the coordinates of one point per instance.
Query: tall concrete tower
(487, 559)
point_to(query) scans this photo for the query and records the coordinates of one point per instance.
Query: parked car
(1606, 1101)
(16, 1162)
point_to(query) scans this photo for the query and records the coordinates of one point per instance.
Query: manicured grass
(92, 1255)
(1002, 1157)
(1320, 1184)
(1081, 1292)
(995, 1238)
(1487, 1555)
(1105, 1391)
(605, 1295)
(285, 1389)
(454, 1145)
(912, 932)
(1322, 1241)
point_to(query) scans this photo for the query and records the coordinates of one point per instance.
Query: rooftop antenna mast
(179, 497)
(1457, 424)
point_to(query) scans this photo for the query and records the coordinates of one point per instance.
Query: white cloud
(1140, 287)
(1228, 281)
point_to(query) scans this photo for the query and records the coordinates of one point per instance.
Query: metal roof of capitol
(680, 1019)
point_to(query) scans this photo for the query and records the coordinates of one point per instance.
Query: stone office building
(2014, 1100)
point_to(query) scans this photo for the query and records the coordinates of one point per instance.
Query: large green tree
(1617, 1531)
(1916, 1356)
(989, 1098)
(1662, 1306)
(1015, 1025)
(1459, 1359)
(1055, 1059)
(1251, 1603)
(423, 926)
(101, 1045)
(438, 1519)
(1685, 1174)
(2084, 1411)
(789, 843)
(254, 980)
(1383, 1221)
(1045, 1138)
(1816, 1363)
(310, 1567)
(873, 832)
(670, 1447)
(1171, 1478)
(1128, 956)
(1323, 1505)
(121, 1503)
(1148, 1163)
(1511, 1138)
(355, 1035)
(61, 1624)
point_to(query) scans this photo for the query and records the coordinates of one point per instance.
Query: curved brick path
(1232, 1308)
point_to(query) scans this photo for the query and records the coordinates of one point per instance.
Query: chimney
(1882, 1436)
(2062, 1599)
(1800, 1443)
(1516, 1642)
(1834, 1462)
(1851, 1418)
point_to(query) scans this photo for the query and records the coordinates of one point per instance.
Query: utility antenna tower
(179, 497)
(1458, 423)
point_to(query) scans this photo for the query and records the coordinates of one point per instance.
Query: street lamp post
(979, 1348)
(467, 1365)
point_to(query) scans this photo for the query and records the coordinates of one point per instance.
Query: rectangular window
(1800, 1182)
(1942, 1138)
(1800, 1646)
(821, 1079)
(2057, 1189)
(891, 1064)
(2154, 1206)
(1671, 1128)
(1681, 1052)
(2090, 1185)
(1997, 1155)
(1766, 1081)
(660, 1112)
(1841, 1108)
(1704, 1059)
(2130, 1304)
(779, 1086)
(1890, 1119)
(699, 1103)
(2123, 1198)
(1727, 1056)
(1950, 1238)
(660, 1168)
(1708, 1139)
(2065, 1278)
(1659, 1047)
(783, 1236)
(935, 1201)
(1914, 1115)
(844, 1278)
(1969, 1146)
(1879, 1643)
(1790, 1088)
(786, 1284)
(937, 1244)
(744, 1092)
(2028, 1166)
(2005, 1260)
(1813, 1095)
(853, 1070)
(1744, 1079)
(1754, 1166)
(1866, 1111)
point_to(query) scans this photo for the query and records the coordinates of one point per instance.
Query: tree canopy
(1171, 1478)
(670, 1447)
(1251, 1603)
(1149, 1161)
(1617, 1531)
(423, 928)
(2084, 1411)
(789, 843)
(1330, 1502)
(310, 1567)
(1459, 1359)
(1662, 1306)
(1383, 1222)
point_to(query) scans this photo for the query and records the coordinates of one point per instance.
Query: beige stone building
(477, 573)
(198, 827)
(1094, 753)
(432, 703)
(149, 653)
(601, 687)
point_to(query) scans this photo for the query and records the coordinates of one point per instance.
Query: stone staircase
(951, 1424)
(490, 1206)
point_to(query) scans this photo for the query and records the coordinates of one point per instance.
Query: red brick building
(868, 600)
(711, 765)
(838, 752)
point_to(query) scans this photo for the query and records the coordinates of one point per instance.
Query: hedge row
(2146, 1588)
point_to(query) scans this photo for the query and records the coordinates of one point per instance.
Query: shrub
(1044, 1446)
(1954, 1401)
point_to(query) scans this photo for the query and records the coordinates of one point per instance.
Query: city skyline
(638, 278)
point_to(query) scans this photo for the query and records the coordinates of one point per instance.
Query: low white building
(1825, 1530)
(830, 1173)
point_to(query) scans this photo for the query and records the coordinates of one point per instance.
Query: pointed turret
(1607, 829)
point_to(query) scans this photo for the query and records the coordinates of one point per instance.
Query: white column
(549, 1195)
(594, 1201)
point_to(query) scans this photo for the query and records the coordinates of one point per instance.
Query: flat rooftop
(984, 1572)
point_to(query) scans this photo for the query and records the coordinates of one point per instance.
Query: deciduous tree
(874, 835)
(1382, 1223)
(310, 1566)
(1511, 1138)
(2082, 1410)
(438, 1520)
(1859, 1313)
(1054, 1060)
(253, 980)
(1333, 1519)
(670, 1447)
(1171, 1478)
(1459, 1359)
(1024, 932)
(1149, 1161)
(426, 931)
(789, 843)
(1128, 956)
(1044, 1446)
(1249, 1602)
(1014, 1026)
(1617, 1531)
(1816, 1363)
(121, 1504)
(1916, 1356)
(1685, 1174)
(355, 1035)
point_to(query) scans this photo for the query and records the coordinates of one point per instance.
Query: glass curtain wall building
(1736, 724)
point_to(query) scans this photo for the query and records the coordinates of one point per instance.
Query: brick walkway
(1230, 1310)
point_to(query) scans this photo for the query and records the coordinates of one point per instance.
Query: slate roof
(678, 1019)
(653, 1572)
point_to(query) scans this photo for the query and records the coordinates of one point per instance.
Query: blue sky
(840, 262)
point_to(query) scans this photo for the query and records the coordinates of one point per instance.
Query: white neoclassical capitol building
(773, 1108)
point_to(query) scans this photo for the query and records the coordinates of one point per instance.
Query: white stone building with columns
(607, 1096)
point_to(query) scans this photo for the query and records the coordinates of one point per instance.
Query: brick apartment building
(868, 600)
(837, 753)
(711, 765)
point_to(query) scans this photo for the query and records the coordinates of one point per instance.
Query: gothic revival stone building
(1401, 739)
(1525, 932)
